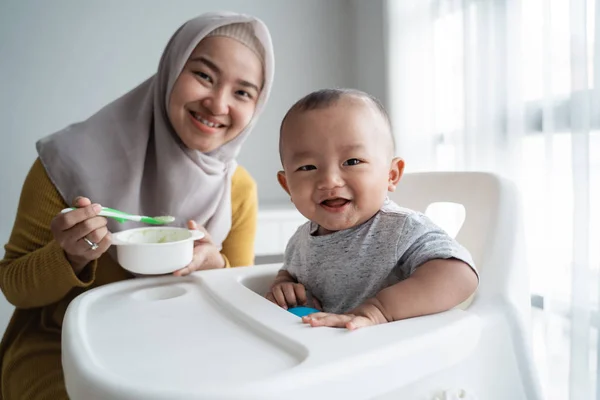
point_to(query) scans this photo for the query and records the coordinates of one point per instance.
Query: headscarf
(127, 156)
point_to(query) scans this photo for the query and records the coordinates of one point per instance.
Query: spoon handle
(117, 215)
(121, 216)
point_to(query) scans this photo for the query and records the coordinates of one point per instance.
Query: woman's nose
(216, 102)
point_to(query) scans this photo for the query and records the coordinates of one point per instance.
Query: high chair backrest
(491, 230)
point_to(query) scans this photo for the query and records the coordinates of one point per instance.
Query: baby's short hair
(324, 98)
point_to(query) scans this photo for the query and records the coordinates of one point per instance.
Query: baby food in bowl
(155, 250)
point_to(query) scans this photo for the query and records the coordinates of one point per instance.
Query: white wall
(62, 60)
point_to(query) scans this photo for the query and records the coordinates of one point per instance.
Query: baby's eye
(306, 168)
(352, 161)
(203, 76)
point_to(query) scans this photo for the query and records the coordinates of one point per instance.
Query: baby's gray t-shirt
(345, 268)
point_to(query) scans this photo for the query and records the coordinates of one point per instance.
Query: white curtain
(509, 86)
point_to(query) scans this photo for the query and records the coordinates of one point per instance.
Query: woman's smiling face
(215, 95)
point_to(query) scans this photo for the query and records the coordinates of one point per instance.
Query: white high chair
(492, 232)
(212, 335)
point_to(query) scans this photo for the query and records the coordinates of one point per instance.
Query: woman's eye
(203, 76)
(243, 93)
(307, 168)
(352, 161)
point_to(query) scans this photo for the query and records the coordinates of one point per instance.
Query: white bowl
(155, 250)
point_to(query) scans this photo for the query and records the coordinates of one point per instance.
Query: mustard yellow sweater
(38, 280)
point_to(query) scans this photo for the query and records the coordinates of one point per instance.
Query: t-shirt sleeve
(292, 262)
(421, 240)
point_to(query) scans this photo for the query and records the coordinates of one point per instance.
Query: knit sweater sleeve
(238, 246)
(35, 271)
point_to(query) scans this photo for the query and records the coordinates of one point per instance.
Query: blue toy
(302, 311)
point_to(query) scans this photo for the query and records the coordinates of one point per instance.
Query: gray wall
(62, 60)
(368, 34)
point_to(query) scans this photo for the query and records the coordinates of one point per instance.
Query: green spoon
(123, 216)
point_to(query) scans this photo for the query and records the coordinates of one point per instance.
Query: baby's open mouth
(204, 121)
(335, 203)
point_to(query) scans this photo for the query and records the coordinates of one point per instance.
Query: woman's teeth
(206, 122)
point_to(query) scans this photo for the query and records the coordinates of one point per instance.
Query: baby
(364, 259)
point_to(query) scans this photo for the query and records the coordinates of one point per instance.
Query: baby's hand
(348, 321)
(287, 294)
(361, 316)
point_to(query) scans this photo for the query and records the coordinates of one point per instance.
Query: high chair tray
(212, 335)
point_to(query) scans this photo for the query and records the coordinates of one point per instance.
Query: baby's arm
(436, 286)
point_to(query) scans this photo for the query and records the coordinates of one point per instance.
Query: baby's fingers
(279, 296)
(295, 294)
(359, 322)
(326, 319)
(269, 296)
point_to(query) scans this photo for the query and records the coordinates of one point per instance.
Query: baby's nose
(330, 180)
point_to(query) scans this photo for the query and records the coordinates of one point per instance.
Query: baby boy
(364, 259)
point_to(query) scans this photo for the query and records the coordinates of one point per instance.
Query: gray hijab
(127, 155)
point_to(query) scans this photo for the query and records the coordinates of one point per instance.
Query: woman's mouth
(204, 121)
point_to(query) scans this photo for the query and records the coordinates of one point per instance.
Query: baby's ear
(283, 181)
(395, 174)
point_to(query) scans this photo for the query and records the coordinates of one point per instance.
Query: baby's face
(338, 163)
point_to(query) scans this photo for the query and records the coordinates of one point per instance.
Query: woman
(166, 147)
